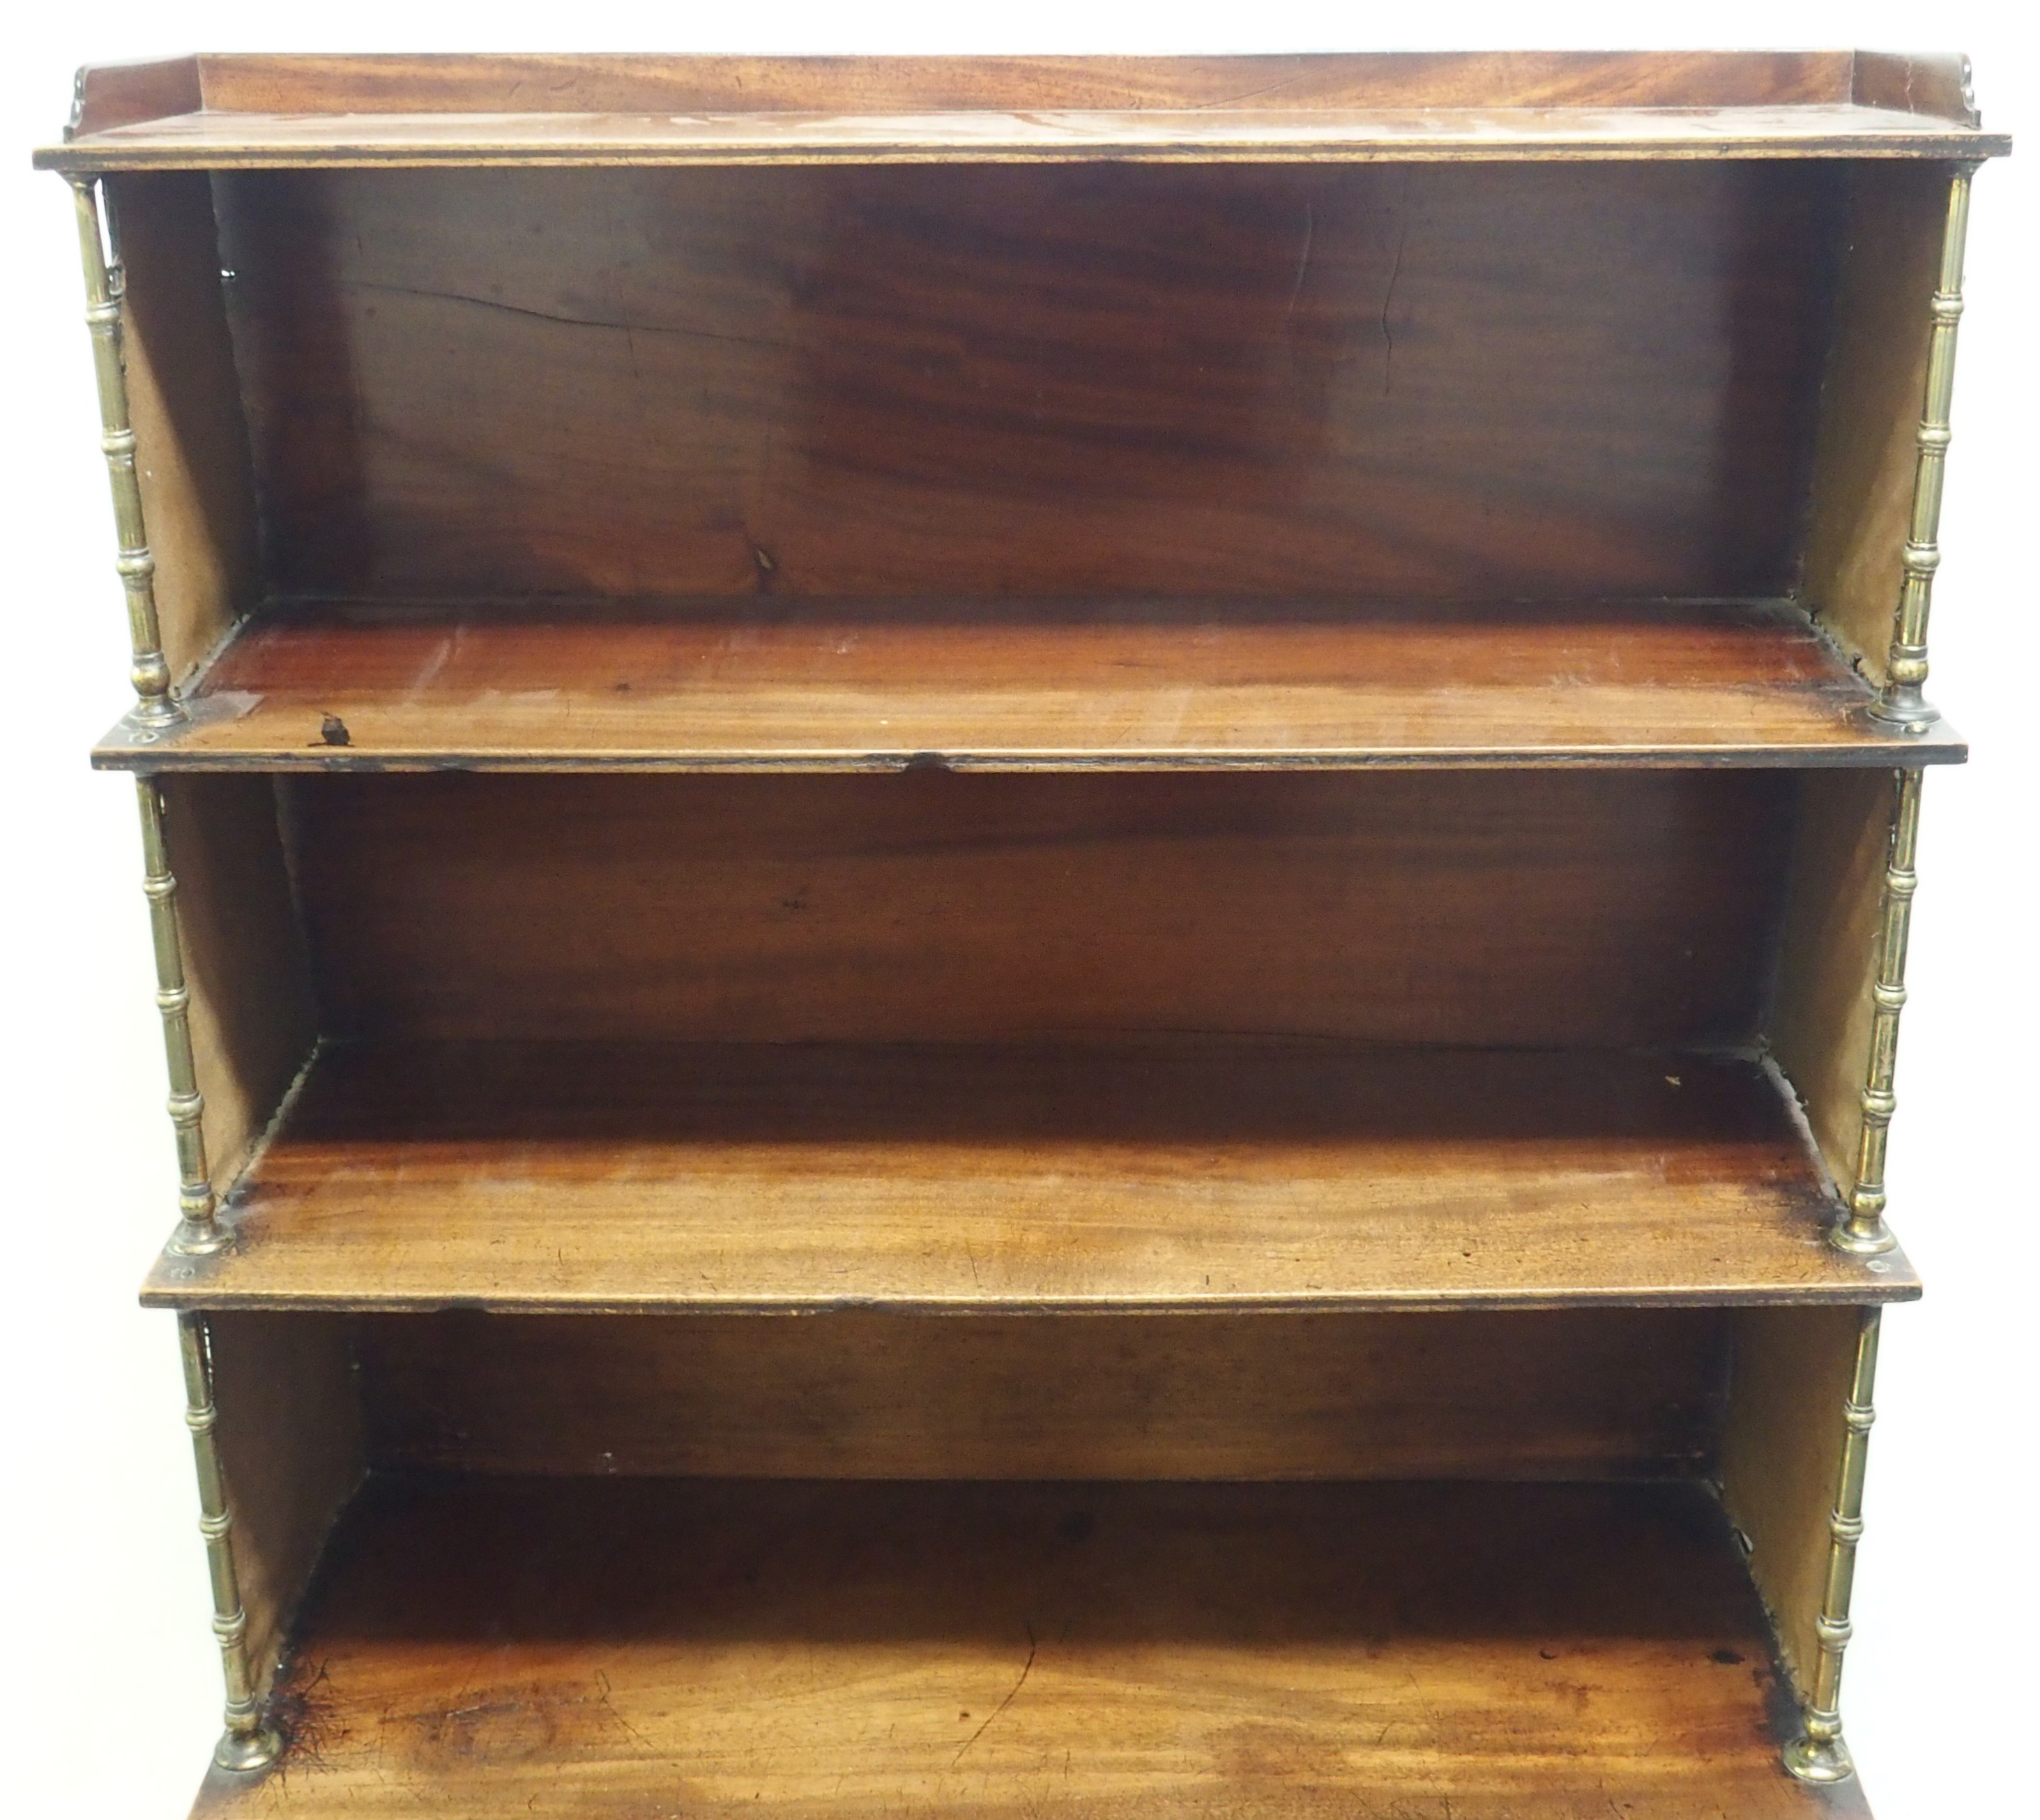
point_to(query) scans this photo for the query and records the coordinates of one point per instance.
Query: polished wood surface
(576, 83)
(767, 683)
(258, 142)
(1781, 1457)
(293, 1450)
(192, 457)
(1548, 909)
(1466, 382)
(107, 95)
(1593, 1394)
(1870, 425)
(1425, 531)
(253, 1018)
(223, 112)
(616, 1648)
(1819, 1026)
(1013, 1178)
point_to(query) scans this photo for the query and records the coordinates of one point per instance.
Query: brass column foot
(1820, 1756)
(199, 1239)
(245, 1752)
(1863, 1238)
(1902, 708)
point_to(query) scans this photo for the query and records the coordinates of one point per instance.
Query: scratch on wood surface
(1388, 296)
(1026, 1669)
(1303, 259)
(570, 322)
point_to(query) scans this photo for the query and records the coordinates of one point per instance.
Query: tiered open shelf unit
(1218, 758)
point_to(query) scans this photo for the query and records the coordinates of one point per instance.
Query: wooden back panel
(1594, 1394)
(1472, 381)
(1541, 908)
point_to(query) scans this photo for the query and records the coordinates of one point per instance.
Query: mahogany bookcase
(1031, 929)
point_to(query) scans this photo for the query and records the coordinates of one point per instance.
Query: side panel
(1870, 405)
(1781, 1459)
(184, 399)
(251, 1019)
(290, 1444)
(1821, 1021)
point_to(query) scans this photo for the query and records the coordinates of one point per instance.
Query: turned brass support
(199, 1230)
(155, 705)
(1862, 1229)
(1818, 1754)
(1902, 703)
(247, 1743)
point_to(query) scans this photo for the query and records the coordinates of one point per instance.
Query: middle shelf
(1162, 1174)
(764, 683)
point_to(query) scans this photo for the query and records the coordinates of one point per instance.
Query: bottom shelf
(612, 1648)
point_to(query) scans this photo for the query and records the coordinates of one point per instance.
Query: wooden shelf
(764, 683)
(238, 112)
(1512, 1652)
(1175, 1175)
(256, 141)
(1467, 1419)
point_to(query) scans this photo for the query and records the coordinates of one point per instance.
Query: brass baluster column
(247, 1743)
(1819, 1754)
(154, 706)
(1901, 702)
(1862, 1230)
(199, 1229)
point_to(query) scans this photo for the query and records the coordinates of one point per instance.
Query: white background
(109, 1685)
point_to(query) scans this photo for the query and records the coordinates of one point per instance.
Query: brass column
(1862, 1229)
(199, 1230)
(247, 1743)
(1901, 702)
(154, 706)
(1818, 1754)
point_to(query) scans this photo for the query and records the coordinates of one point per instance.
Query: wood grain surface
(293, 1453)
(191, 440)
(222, 112)
(1597, 1394)
(107, 95)
(252, 1019)
(936, 1179)
(612, 1648)
(1473, 382)
(1821, 1015)
(1869, 448)
(1781, 1459)
(610, 83)
(258, 142)
(1551, 908)
(770, 683)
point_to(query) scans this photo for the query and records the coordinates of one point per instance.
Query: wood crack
(1026, 1669)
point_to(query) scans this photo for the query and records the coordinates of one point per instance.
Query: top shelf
(210, 112)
